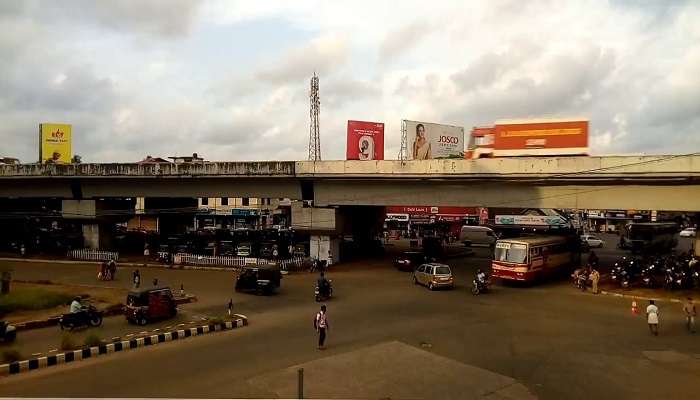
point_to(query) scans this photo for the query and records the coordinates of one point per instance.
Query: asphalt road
(557, 341)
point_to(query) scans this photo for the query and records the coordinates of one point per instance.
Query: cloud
(401, 41)
(322, 55)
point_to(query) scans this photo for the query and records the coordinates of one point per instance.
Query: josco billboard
(428, 141)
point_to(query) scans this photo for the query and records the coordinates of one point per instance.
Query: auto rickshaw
(258, 280)
(150, 304)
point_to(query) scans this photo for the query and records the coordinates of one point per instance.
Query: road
(558, 342)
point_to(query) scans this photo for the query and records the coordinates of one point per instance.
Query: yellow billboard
(55, 143)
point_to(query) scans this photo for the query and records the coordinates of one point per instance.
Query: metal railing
(93, 255)
(291, 264)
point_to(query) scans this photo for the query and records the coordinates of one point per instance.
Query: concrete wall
(79, 209)
(314, 218)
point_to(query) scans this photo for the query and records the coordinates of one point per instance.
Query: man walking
(594, 277)
(689, 309)
(653, 318)
(136, 277)
(230, 307)
(321, 325)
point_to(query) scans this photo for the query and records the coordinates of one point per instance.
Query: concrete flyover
(607, 182)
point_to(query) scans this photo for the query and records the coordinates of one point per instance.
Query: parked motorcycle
(86, 317)
(327, 294)
(625, 272)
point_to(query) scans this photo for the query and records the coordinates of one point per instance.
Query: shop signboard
(532, 220)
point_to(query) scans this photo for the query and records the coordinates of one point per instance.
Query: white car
(592, 241)
(688, 232)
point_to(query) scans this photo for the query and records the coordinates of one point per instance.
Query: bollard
(300, 392)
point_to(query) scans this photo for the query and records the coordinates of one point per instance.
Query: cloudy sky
(229, 79)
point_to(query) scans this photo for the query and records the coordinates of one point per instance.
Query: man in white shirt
(653, 318)
(321, 325)
(75, 305)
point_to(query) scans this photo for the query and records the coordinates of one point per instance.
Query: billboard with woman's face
(429, 141)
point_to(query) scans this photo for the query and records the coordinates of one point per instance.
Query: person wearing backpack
(321, 326)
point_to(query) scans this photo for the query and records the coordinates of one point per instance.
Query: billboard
(540, 138)
(534, 220)
(365, 140)
(55, 143)
(428, 141)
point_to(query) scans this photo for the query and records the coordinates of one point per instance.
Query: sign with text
(533, 220)
(429, 141)
(55, 143)
(365, 140)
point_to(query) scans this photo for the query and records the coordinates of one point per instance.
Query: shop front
(415, 221)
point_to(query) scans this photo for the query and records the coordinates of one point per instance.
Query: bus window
(534, 252)
(511, 252)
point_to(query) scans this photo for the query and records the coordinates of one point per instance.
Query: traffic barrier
(93, 255)
(292, 264)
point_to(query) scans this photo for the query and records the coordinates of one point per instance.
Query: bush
(92, 340)
(9, 356)
(67, 341)
(32, 299)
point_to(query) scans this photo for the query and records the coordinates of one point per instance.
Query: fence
(93, 255)
(292, 264)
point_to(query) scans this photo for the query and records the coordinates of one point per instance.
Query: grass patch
(67, 341)
(9, 356)
(32, 299)
(92, 340)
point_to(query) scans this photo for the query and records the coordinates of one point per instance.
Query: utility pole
(314, 129)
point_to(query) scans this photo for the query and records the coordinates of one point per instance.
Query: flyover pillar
(91, 235)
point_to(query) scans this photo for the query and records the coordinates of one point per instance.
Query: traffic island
(152, 339)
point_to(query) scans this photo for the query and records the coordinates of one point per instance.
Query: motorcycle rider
(75, 306)
(593, 259)
(323, 285)
(480, 277)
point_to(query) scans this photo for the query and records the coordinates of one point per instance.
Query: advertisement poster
(55, 143)
(365, 140)
(429, 141)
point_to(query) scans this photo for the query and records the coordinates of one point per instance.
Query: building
(241, 212)
(153, 160)
(194, 158)
(529, 137)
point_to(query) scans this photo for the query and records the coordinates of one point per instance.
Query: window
(224, 201)
(421, 268)
(205, 201)
(245, 201)
(428, 270)
(511, 252)
(442, 271)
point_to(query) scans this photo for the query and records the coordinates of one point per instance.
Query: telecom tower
(314, 130)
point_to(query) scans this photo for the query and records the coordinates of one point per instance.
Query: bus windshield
(511, 252)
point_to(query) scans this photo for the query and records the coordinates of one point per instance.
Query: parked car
(259, 280)
(434, 276)
(409, 260)
(477, 236)
(688, 232)
(150, 304)
(592, 240)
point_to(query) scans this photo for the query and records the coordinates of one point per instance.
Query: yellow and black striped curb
(124, 345)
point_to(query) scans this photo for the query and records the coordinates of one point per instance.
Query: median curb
(637, 297)
(120, 346)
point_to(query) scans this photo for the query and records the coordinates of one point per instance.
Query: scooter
(86, 317)
(324, 296)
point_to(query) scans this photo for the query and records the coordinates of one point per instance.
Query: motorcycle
(479, 286)
(8, 333)
(625, 272)
(324, 296)
(580, 279)
(86, 317)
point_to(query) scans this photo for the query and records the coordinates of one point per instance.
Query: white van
(477, 236)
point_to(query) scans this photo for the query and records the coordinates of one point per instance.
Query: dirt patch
(99, 296)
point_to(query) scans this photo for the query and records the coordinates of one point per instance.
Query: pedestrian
(230, 307)
(182, 290)
(155, 281)
(321, 325)
(146, 251)
(594, 277)
(136, 277)
(653, 318)
(330, 259)
(690, 313)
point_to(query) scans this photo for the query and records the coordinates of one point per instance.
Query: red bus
(532, 258)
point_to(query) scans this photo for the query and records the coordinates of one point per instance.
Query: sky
(229, 80)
